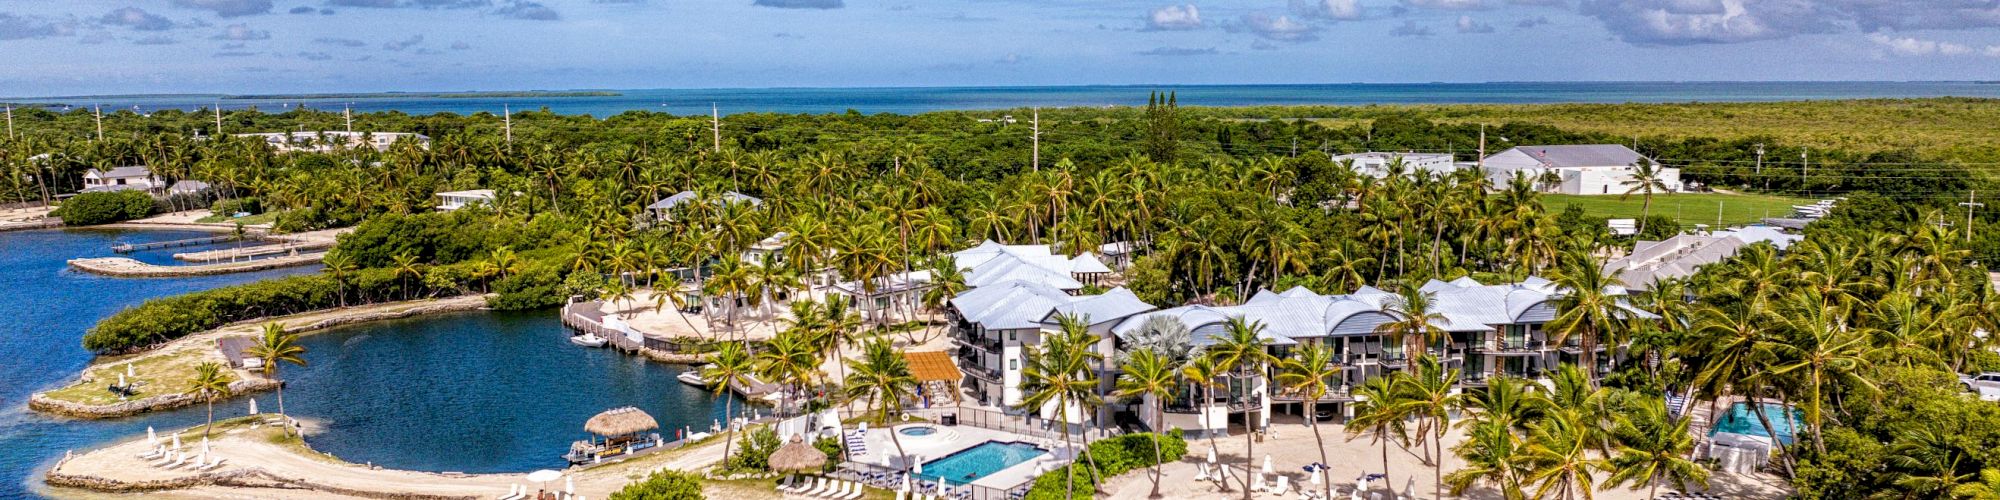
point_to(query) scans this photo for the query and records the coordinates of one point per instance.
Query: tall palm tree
(278, 346)
(729, 367)
(1820, 349)
(1589, 311)
(1415, 324)
(1653, 447)
(340, 266)
(1243, 349)
(1148, 373)
(1647, 178)
(1378, 412)
(1309, 372)
(789, 359)
(1202, 371)
(1429, 395)
(882, 376)
(1564, 462)
(208, 384)
(1492, 454)
(1061, 376)
(407, 267)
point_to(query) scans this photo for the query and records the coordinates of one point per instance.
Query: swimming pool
(917, 430)
(973, 463)
(1741, 420)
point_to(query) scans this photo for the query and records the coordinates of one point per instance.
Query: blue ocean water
(472, 392)
(905, 100)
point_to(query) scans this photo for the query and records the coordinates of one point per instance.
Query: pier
(588, 317)
(251, 252)
(190, 242)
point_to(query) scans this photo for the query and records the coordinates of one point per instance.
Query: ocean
(908, 100)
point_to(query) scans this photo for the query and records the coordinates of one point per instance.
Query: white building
(664, 208)
(454, 200)
(1681, 255)
(125, 178)
(1591, 169)
(994, 325)
(991, 263)
(1376, 164)
(328, 141)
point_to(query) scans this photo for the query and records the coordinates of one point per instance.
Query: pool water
(1740, 419)
(977, 462)
(917, 431)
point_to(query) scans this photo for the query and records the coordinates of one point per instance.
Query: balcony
(987, 373)
(1510, 347)
(982, 342)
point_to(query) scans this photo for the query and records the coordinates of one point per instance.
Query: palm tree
(789, 359)
(1307, 372)
(407, 267)
(1243, 349)
(729, 367)
(340, 265)
(1652, 448)
(1561, 452)
(1492, 454)
(1379, 414)
(1647, 178)
(1820, 349)
(1060, 376)
(1415, 324)
(208, 384)
(882, 375)
(1148, 373)
(1589, 311)
(1202, 371)
(274, 347)
(1429, 396)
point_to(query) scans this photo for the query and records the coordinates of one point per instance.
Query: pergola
(935, 367)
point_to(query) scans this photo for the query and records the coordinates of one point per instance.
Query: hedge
(105, 207)
(1114, 456)
(663, 485)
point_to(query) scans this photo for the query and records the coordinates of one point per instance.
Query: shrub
(753, 450)
(1114, 456)
(663, 485)
(234, 206)
(105, 207)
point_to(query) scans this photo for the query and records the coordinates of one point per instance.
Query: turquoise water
(970, 464)
(1741, 420)
(922, 99)
(472, 392)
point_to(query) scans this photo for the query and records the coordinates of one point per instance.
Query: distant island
(429, 95)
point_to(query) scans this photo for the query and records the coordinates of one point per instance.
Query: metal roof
(1581, 155)
(685, 196)
(1114, 305)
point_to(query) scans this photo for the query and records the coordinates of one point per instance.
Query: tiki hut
(620, 422)
(797, 456)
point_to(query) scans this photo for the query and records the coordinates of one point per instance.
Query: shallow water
(472, 392)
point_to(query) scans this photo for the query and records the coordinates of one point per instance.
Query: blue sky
(72, 47)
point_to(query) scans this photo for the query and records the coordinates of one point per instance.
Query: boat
(587, 340)
(692, 377)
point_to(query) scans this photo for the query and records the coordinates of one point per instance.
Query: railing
(990, 419)
(1501, 346)
(887, 478)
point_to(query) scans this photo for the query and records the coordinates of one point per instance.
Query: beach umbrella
(797, 456)
(121, 380)
(716, 425)
(1267, 465)
(150, 437)
(906, 483)
(919, 465)
(569, 486)
(253, 406)
(1211, 456)
(941, 486)
(177, 441)
(542, 477)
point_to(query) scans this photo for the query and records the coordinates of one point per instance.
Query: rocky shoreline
(42, 403)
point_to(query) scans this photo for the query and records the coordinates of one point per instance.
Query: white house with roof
(126, 178)
(1585, 169)
(995, 324)
(454, 200)
(664, 208)
(893, 298)
(331, 140)
(1681, 255)
(990, 263)
(1376, 164)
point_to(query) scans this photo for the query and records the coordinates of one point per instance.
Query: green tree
(209, 383)
(274, 347)
(729, 367)
(1061, 375)
(663, 485)
(1652, 447)
(882, 376)
(1310, 372)
(1148, 373)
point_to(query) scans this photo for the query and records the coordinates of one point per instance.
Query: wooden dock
(588, 317)
(137, 247)
(251, 252)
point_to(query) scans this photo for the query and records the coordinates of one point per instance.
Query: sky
(95, 47)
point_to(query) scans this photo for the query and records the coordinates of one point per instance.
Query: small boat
(692, 377)
(587, 340)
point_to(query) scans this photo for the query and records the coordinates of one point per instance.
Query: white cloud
(1991, 51)
(1688, 22)
(137, 19)
(1174, 17)
(241, 32)
(1467, 25)
(1447, 4)
(1909, 46)
(1280, 28)
(1345, 10)
(1410, 28)
(228, 8)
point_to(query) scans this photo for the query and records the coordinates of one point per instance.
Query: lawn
(153, 375)
(263, 218)
(1688, 208)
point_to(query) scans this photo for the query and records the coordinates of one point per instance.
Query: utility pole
(1481, 162)
(507, 121)
(1760, 166)
(347, 110)
(1970, 204)
(1035, 131)
(10, 122)
(1295, 146)
(1718, 217)
(715, 124)
(100, 121)
(218, 119)
(1805, 166)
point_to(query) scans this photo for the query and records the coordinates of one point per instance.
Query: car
(1982, 382)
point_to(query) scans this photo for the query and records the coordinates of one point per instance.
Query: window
(1013, 335)
(1013, 364)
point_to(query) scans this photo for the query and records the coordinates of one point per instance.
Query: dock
(140, 247)
(251, 252)
(588, 317)
(128, 268)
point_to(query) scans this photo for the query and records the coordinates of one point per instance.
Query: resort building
(1681, 255)
(127, 178)
(1376, 164)
(454, 200)
(329, 141)
(664, 208)
(992, 263)
(995, 324)
(1592, 169)
(895, 298)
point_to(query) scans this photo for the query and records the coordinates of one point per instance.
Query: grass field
(1689, 209)
(263, 218)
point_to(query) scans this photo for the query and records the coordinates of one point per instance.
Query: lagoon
(471, 392)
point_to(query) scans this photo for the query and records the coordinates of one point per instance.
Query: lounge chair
(1257, 482)
(902, 495)
(840, 489)
(153, 453)
(1284, 486)
(1201, 471)
(214, 465)
(178, 459)
(819, 486)
(514, 492)
(790, 483)
(852, 494)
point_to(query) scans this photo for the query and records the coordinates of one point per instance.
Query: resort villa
(328, 141)
(664, 208)
(454, 200)
(1376, 164)
(1585, 169)
(127, 178)
(1679, 256)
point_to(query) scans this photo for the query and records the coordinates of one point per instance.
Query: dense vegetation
(1112, 456)
(105, 207)
(663, 485)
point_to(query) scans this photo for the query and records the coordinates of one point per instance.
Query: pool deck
(953, 439)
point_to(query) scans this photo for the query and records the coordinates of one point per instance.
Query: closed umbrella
(177, 441)
(1267, 465)
(941, 486)
(128, 372)
(150, 437)
(919, 466)
(1211, 456)
(253, 406)
(121, 380)
(569, 486)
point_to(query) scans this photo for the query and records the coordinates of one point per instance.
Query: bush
(663, 485)
(753, 451)
(1114, 456)
(105, 207)
(538, 286)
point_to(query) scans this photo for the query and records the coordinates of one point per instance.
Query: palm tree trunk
(1757, 407)
(1312, 420)
(1159, 419)
(728, 425)
(286, 418)
(1385, 464)
(211, 419)
(1249, 443)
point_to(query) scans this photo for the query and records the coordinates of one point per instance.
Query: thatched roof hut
(797, 456)
(620, 421)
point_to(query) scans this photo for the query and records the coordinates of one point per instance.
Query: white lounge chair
(1284, 486)
(217, 464)
(153, 453)
(791, 483)
(819, 486)
(178, 459)
(856, 493)
(1257, 482)
(849, 490)
(832, 485)
(840, 489)
(1201, 471)
(513, 493)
